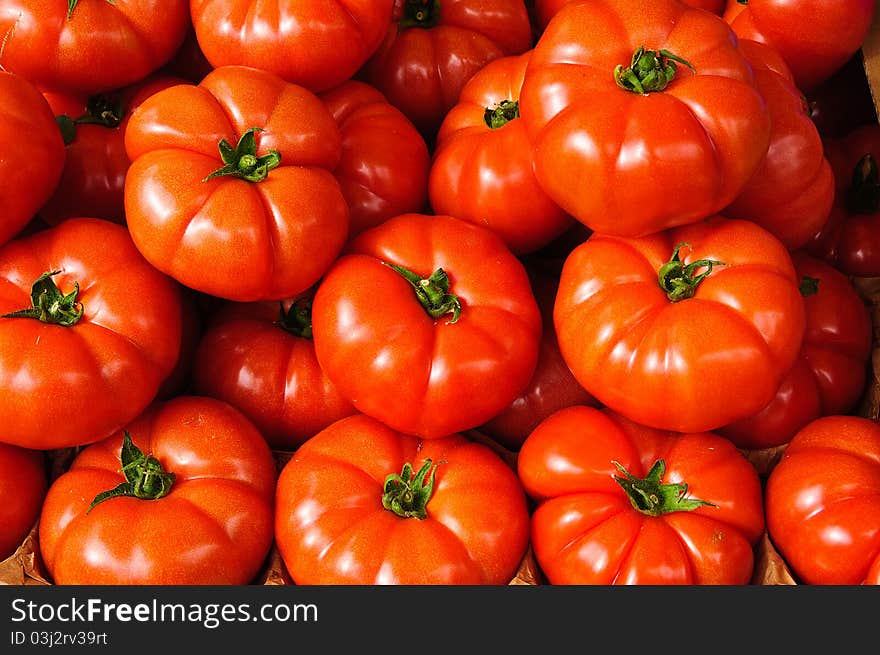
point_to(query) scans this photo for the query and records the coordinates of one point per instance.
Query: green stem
(432, 292)
(145, 479)
(679, 280)
(502, 114)
(650, 496)
(242, 160)
(407, 495)
(809, 286)
(423, 14)
(649, 71)
(50, 305)
(71, 5)
(297, 319)
(863, 195)
(104, 110)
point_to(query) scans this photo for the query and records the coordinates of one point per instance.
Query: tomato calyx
(50, 305)
(809, 286)
(679, 280)
(145, 478)
(649, 71)
(242, 161)
(432, 292)
(71, 5)
(424, 14)
(407, 495)
(500, 115)
(104, 110)
(297, 320)
(863, 195)
(650, 496)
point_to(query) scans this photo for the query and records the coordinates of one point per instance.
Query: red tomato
(317, 44)
(259, 218)
(690, 342)
(92, 46)
(547, 9)
(189, 62)
(406, 325)
(622, 504)
(821, 502)
(829, 374)
(482, 165)
(654, 105)
(33, 153)
(844, 101)
(383, 170)
(195, 504)
(260, 358)
(362, 504)
(815, 37)
(431, 49)
(23, 486)
(94, 328)
(792, 191)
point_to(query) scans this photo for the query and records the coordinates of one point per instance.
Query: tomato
(406, 325)
(194, 506)
(792, 191)
(383, 169)
(317, 44)
(88, 332)
(829, 374)
(90, 46)
(844, 101)
(688, 329)
(23, 486)
(94, 131)
(482, 164)
(623, 504)
(259, 218)
(815, 37)
(850, 239)
(821, 502)
(360, 503)
(653, 104)
(431, 49)
(179, 380)
(260, 358)
(547, 9)
(189, 62)
(33, 153)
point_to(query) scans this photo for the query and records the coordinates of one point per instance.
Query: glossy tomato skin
(422, 70)
(547, 9)
(483, 174)
(585, 529)
(23, 484)
(331, 526)
(317, 44)
(422, 375)
(33, 153)
(383, 168)
(100, 47)
(213, 527)
(668, 157)
(792, 191)
(692, 365)
(249, 360)
(829, 374)
(229, 237)
(105, 369)
(821, 502)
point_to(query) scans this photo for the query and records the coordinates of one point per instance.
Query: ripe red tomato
(194, 505)
(482, 164)
(23, 485)
(317, 44)
(260, 358)
(547, 9)
(86, 323)
(829, 374)
(383, 169)
(821, 502)
(406, 325)
(688, 329)
(432, 48)
(259, 218)
(92, 46)
(844, 101)
(620, 503)
(654, 105)
(362, 504)
(33, 153)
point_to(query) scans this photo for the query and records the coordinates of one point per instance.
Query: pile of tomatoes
(404, 291)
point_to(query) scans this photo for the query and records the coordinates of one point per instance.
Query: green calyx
(71, 5)
(297, 320)
(407, 495)
(809, 286)
(424, 14)
(650, 496)
(863, 194)
(649, 71)
(104, 110)
(242, 160)
(50, 305)
(679, 280)
(502, 114)
(145, 478)
(432, 292)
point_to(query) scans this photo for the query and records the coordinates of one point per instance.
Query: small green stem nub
(50, 305)
(649, 71)
(145, 479)
(242, 161)
(424, 14)
(679, 280)
(809, 286)
(863, 195)
(652, 497)
(407, 495)
(502, 114)
(297, 319)
(432, 292)
(104, 110)
(71, 5)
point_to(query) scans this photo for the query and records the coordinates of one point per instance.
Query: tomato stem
(679, 280)
(500, 115)
(104, 110)
(650, 496)
(432, 292)
(50, 305)
(407, 495)
(71, 5)
(863, 195)
(809, 286)
(649, 71)
(423, 14)
(242, 161)
(297, 319)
